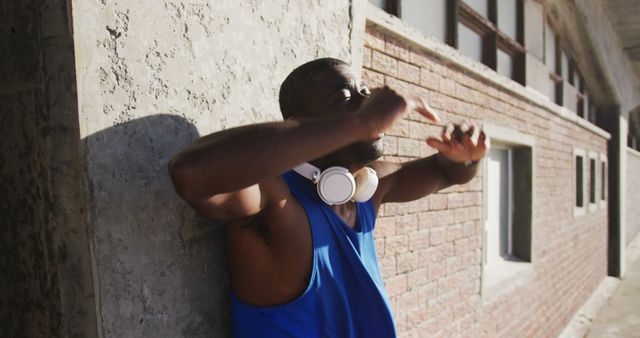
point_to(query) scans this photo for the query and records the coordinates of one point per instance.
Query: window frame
(604, 184)
(593, 156)
(493, 39)
(500, 278)
(579, 210)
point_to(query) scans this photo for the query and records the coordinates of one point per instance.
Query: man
(300, 267)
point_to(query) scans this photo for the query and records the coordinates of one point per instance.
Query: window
(488, 31)
(551, 59)
(603, 181)
(578, 181)
(428, 16)
(507, 211)
(593, 178)
(470, 42)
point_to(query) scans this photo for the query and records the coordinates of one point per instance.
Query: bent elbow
(180, 179)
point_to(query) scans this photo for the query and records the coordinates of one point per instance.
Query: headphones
(336, 185)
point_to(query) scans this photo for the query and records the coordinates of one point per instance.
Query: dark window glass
(602, 182)
(592, 180)
(579, 182)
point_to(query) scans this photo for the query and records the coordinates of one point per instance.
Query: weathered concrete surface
(633, 195)
(621, 316)
(46, 287)
(153, 76)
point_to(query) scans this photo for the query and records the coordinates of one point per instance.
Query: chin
(363, 153)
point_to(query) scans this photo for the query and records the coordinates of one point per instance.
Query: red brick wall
(633, 194)
(430, 250)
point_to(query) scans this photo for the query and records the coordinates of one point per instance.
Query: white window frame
(593, 206)
(511, 272)
(604, 185)
(579, 211)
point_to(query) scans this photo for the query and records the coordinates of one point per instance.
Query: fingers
(422, 107)
(437, 144)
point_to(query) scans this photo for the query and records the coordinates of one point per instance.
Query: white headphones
(336, 185)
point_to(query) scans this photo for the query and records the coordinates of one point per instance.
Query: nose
(358, 98)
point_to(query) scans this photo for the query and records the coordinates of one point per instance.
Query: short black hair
(299, 81)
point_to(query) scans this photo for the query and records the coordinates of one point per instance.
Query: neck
(323, 164)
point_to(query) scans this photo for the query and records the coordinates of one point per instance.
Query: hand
(461, 143)
(384, 106)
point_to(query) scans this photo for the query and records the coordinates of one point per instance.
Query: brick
(372, 79)
(385, 226)
(436, 270)
(384, 63)
(447, 87)
(454, 200)
(396, 285)
(446, 217)
(374, 39)
(396, 244)
(390, 145)
(366, 57)
(408, 72)
(380, 244)
(454, 232)
(419, 239)
(472, 198)
(438, 201)
(397, 48)
(409, 147)
(437, 235)
(399, 128)
(400, 86)
(419, 130)
(407, 224)
(429, 79)
(417, 278)
(387, 266)
(427, 292)
(407, 261)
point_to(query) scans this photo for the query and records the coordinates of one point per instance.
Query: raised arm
(402, 182)
(220, 174)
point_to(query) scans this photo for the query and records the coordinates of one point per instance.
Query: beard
(360, 153)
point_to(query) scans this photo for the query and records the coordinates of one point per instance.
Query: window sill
(579, 211)
(503, 277)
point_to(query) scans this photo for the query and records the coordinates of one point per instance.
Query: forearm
(239, 157)
(418, 178)
(456, 173)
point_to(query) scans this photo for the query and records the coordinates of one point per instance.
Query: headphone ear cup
(366, 184)
(336, 185)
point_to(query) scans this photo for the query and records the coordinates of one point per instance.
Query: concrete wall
(153, 76)
(46, 288)
(29, 287)
(633, 195)
(613, 60)
(430, 249)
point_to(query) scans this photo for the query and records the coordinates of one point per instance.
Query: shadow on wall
(161, 270)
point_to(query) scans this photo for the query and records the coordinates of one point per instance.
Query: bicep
(231, 205)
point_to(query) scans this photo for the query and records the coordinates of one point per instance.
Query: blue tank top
(345, 296)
